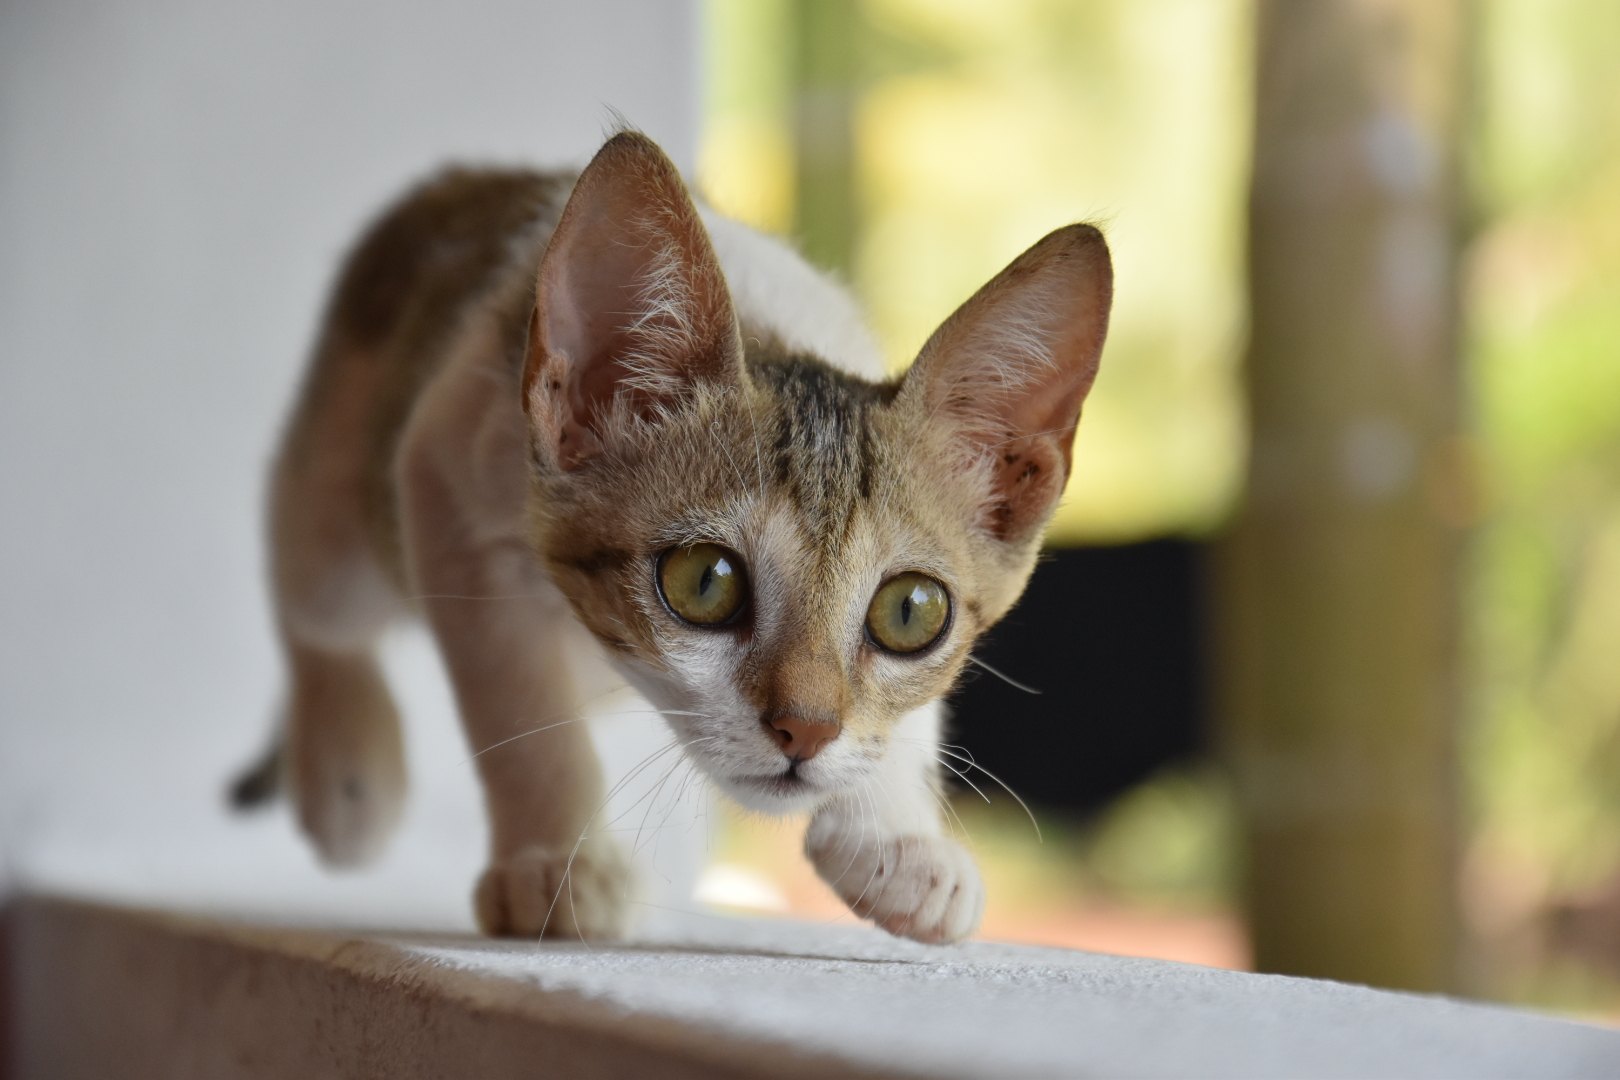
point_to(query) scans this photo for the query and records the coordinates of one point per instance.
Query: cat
(544, 408)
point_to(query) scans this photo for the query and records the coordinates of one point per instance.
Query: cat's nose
(802, 740)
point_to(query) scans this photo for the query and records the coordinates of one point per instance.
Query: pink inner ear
(1009, 371)
(631, 306)
(1027, 480)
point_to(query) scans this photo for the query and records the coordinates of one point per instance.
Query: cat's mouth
(783, 785)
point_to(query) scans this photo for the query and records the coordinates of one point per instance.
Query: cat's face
(790, 548)
(786, 559)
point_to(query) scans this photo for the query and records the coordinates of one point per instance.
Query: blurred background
(1321, 673)
(1328, 642)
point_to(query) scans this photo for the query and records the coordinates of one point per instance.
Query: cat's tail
(262, 782)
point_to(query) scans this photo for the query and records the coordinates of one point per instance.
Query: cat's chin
(777, 794)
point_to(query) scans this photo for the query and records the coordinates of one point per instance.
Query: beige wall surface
(177, 180)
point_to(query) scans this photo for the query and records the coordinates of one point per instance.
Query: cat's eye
(703, 584)
(908, 613)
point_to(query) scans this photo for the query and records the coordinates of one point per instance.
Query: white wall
(177, 179)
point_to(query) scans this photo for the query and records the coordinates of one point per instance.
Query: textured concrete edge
(71, 959)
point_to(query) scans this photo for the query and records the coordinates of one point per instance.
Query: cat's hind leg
(882, 848)
(342, 755)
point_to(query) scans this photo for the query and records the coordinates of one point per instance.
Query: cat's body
(541, 426)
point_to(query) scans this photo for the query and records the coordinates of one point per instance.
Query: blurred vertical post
(1338, 586)
(826, 77)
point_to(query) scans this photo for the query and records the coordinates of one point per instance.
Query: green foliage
(979, 127)
(1168, 844)
(1543, 755)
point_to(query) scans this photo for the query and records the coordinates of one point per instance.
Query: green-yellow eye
(703, 584)
(908, 613)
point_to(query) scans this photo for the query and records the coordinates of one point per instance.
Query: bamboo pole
(1337, 588)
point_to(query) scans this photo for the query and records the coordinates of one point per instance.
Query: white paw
(556, 892)
(922, 887)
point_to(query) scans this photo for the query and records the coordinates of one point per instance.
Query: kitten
(542, 405)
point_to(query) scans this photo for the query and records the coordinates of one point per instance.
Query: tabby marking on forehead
(826, 452)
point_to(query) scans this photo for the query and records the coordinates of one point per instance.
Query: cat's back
(444, 247)
(437, 248)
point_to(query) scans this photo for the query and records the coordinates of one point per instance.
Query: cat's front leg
(502, 627)
(882, 848)
(552, 871)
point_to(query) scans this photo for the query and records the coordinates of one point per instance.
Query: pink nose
(802, 739)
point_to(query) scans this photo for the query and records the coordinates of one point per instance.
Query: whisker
(961, 754)
(459, 596)
(968, 758)
(580, 719)
(522, 734)
(682, 787)
(573, 908)
(568, 868)
(877, 867)
(646, 763)
(1003, 676)
(652, 804)
(964, 779)
(759, 461)
(945, 805)
(580, 707)
(844, 837)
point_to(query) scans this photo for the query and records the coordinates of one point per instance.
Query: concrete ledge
(102, 991)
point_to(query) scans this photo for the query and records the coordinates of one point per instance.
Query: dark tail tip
(260, 784)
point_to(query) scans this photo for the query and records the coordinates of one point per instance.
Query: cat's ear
(1007, 373)
(631, 308)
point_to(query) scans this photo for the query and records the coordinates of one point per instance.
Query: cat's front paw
(557, 892)
(922, 887)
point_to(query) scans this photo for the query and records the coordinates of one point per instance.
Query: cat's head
(786, 559)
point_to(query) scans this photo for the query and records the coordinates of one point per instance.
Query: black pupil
(905, 610)
(706, 580)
